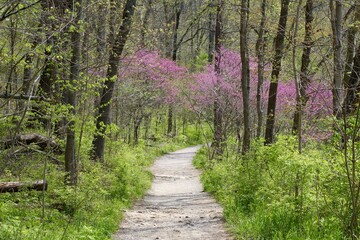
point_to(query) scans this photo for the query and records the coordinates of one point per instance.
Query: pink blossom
(159, 73)
(225, 88)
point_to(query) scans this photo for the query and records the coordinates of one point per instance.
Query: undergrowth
(91, 210)
(276, 193)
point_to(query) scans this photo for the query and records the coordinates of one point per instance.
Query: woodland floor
(176, 207)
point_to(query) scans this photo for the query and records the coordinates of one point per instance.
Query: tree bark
(217, 144)
(276, 68)
(211, 36)
(21, 186)
(137, 124)
(53, 11)
(117, 48)
(75, 41)
(305, 62)
(336, 24)
(352, 66)
(175, 46)
(260, 52)
(299, 104)
(353, 88)
(245, 73)
(101, 28)
(351, 47)
(28, 72)
(170, 120)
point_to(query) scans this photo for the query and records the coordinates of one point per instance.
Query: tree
(211, 34)
(55, 21)
(75, 44)
(117, 47)
(260, 52)
(149, 82)
(179, 5)
(305, 62)
(245, 72)
(336, 24)
(12, 7)
(218, 142)
(352, 68)
(276, 68)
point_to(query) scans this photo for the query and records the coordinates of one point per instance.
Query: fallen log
(26, 139)
(21, 186)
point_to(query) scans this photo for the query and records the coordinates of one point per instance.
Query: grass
(276, 193)
(93, 209)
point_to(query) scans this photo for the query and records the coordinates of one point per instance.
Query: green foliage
(276, 193)
(92, 209)
(195, 134)
(201, 61)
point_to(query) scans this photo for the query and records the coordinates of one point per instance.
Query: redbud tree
(207, 86)
(148, 83)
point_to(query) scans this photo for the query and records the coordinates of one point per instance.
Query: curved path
(175, 207)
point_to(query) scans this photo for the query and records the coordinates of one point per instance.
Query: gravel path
(175, 207)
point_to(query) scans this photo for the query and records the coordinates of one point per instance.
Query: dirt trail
(176, 206)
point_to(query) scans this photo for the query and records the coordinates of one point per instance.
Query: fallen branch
(21, 186)
(26, 139)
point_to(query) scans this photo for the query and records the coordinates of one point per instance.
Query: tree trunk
(75, 41)
(53, 11)
(137, 124)
(170, 120)
(299, 104)
(168, 27)
(305, 62)
(47, 78)
(336, 23)
(353, 88)
(245, 73)
(175, 45)
(117, 48)
(211, 37)
(351, 34)
(178, 10)
(20, 186)
(101, 28)
(260, 52)
(352, 66)
(276, 68)
(27, 76)
(218, 114)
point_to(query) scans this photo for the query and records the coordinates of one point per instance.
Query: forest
(92, 91)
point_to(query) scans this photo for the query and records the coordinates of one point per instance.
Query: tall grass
(275, 193)
(91, 210)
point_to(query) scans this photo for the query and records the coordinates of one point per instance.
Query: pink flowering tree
(317, 109)
(226, 88)
(157, 73)
(208, 87)
(148, 83)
